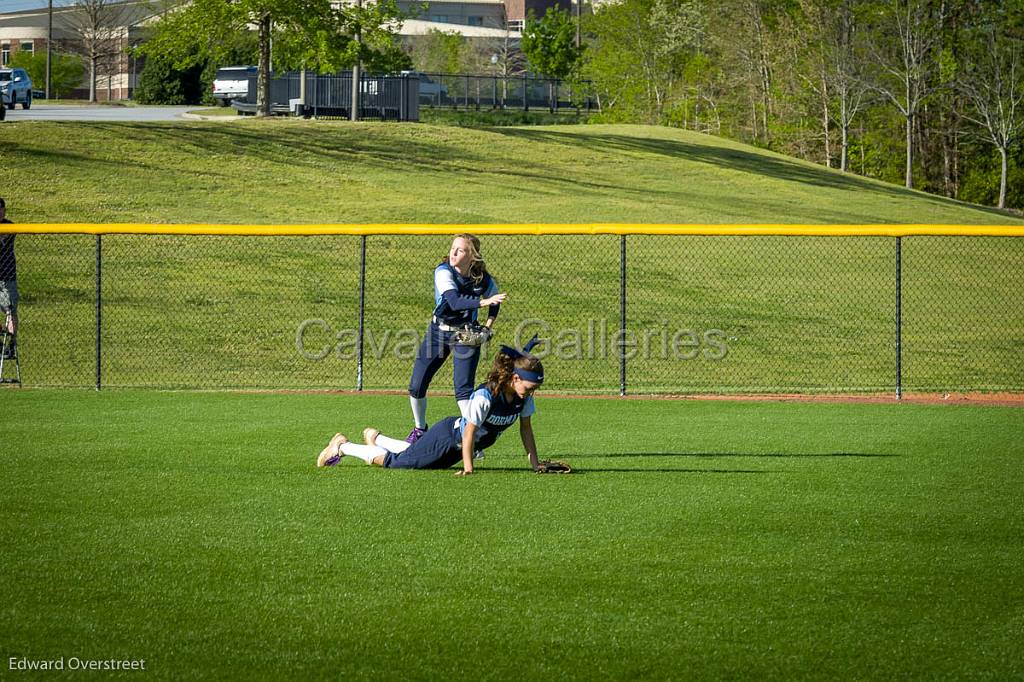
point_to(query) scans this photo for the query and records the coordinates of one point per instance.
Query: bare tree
(992, 84)
(813, 39)
(844, 72)
(99, 29)
(504, 55)
(750, 42)
(903, 54)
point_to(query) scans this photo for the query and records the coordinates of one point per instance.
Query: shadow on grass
(715, 455)
(306, 147)
(628, 470)
(760, 163)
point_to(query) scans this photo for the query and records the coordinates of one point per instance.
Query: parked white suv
(232, 82)
(15, 86)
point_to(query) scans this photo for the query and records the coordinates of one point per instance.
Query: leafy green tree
(163, 83)
(440, 51)
(311, 34)
(549, 43)
(66, 70)
(389, 59)
(640, 54)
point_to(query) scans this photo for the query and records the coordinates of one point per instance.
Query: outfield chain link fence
(636, 314)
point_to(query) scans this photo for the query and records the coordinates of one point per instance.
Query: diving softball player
(505, 398)
(462, 286)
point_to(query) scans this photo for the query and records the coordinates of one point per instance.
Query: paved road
(75, 112)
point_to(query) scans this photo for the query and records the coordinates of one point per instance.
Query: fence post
(362, 310)
(99, 311)
(899, 319)
(622, 314)
(526, 96)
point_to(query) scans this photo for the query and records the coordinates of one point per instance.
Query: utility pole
(356, 68)
(135, 62)
(49, 43)
(576, 4)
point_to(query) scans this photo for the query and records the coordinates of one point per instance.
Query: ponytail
(500, 377)
(501, 373)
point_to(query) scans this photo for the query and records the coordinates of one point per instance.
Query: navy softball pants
(437, 345)
(439, 448)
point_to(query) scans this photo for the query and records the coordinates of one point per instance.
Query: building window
(440, 18)
(515, 24)
(28, 47)
(476, 21)
(5, 54)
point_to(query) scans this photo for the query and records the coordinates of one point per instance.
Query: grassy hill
(300, 172)
(795, 314)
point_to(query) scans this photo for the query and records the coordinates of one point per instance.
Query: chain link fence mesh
(963, 321)
(703, 314)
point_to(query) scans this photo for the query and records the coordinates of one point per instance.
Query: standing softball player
(8, 285)
(462, 286)
(506, 397)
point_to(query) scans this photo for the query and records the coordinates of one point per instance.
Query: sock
(419, 411)
(364, 452)
(464, 407)
(391, 444)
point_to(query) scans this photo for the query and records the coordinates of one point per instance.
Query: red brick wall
(517, 9)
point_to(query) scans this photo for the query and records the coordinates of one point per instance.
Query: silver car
(15, 86)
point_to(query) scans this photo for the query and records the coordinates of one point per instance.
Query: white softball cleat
(331, 455)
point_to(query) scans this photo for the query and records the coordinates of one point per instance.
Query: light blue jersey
(493, 414)
(457, 298)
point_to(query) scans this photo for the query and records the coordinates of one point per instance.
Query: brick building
(27, 30)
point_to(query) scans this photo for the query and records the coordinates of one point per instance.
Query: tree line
(923, 92)
(926, 93)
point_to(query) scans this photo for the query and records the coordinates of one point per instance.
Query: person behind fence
(506, 397)
(462, 286)
(8, 283)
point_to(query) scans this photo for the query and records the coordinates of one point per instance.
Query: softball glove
(473, 335)
(553, 466)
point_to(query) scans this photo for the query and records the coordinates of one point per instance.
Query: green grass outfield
(699, 540)
(797, 314)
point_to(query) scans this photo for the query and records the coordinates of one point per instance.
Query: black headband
(527, 375)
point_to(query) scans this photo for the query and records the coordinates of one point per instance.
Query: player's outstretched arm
(496, 299)
(468, 438)
(529, 442)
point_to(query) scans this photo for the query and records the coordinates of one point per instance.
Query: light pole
(49, 43)
(132, 82)
(356, 68)
(577, 4)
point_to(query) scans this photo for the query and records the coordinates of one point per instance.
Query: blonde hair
(477, 267)
(500, 376)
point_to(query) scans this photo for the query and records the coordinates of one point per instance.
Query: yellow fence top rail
(526, 229)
